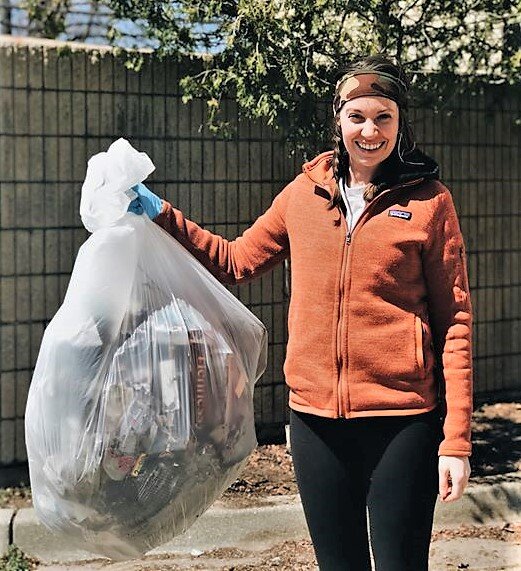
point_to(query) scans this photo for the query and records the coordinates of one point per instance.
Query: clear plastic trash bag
(140, 410)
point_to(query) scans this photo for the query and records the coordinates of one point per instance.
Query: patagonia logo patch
(401, 214)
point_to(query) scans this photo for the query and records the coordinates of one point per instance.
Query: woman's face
(369, 130)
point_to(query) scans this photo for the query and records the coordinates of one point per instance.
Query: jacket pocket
(419, 338)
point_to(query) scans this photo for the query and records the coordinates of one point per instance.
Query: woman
(378, 362)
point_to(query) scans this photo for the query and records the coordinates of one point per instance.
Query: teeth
(369, 147)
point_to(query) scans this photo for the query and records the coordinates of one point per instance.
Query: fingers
(451, 485)
(135, 206)
(454, 473)
(444, 482)
(456, 491)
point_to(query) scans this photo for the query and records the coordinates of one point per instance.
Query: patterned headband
(368, 83)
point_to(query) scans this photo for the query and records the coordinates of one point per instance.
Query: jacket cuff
(449, 451)
(164, 208)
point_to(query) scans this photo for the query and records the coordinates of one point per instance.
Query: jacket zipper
(341, 318)
(347, 248)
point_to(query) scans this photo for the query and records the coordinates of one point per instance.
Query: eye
(355, 116)
(384, 116)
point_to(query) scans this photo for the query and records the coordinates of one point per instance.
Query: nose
(369, 129)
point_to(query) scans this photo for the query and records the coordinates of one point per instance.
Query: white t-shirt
(354, 200)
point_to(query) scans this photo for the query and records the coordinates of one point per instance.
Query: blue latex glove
(146, 201)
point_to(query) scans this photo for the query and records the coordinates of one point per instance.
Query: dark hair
(340, 163)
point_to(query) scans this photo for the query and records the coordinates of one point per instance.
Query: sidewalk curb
(6, 518)
(481, 504)
(260, 527)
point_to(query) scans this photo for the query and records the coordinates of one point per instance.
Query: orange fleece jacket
(380, 320)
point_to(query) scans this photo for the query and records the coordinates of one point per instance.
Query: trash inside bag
(140, 411)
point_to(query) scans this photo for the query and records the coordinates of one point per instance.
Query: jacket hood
(417, 166)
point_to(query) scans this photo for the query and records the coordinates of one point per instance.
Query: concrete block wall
(62, 103)
(477, 144)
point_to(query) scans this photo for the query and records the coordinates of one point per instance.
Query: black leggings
(381, 471)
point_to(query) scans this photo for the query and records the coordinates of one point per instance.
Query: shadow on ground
(496, 442)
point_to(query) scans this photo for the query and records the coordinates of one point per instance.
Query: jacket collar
(417, 168)
(319, 170)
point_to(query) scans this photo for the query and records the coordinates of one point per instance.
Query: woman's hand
(146, 201)
(454, 472)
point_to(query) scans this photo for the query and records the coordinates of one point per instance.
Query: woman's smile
(369, 147)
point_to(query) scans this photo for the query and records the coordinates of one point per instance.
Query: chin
(371, 161)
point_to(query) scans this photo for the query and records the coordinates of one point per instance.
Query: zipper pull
(348, 238)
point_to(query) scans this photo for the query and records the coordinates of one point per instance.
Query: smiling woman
(379, 359)
(378, 170)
